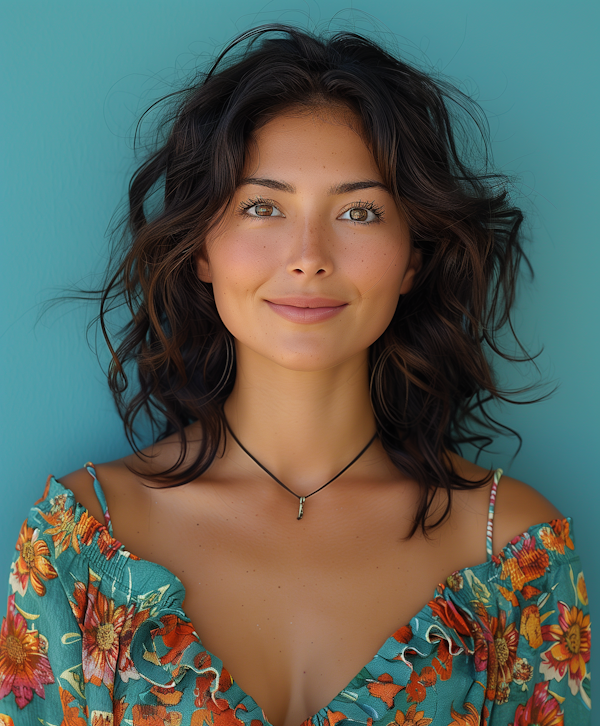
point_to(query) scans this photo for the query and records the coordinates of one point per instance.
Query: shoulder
(518, 506)
(81, 483)
(123, 481)
(117, 481)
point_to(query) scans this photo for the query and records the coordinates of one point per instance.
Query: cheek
(239, 264)
(379, 271)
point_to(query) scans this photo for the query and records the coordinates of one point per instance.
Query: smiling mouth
(308, 302)
(307, 311)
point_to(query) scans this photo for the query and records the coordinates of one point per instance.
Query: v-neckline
(181, 593)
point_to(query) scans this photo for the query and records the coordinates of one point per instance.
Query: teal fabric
(94, 635)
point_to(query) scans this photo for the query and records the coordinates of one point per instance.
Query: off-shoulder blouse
(95, 635)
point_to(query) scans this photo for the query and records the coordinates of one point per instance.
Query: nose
(310, 253)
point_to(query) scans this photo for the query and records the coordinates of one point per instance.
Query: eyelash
(371, 206)
(253, 202)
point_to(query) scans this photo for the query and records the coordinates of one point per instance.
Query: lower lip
(305, 315)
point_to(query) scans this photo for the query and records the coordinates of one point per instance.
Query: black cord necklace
(300, 499)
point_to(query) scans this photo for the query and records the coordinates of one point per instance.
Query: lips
(306, 310)
(307, 302)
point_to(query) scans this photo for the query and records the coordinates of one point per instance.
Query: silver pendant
(301, 507)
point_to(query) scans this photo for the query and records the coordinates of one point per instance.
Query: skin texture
(295, 609)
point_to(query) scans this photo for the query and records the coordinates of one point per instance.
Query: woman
(312, 303)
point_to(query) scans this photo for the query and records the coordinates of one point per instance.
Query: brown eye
(363, 213)
(259, 208)
(358, 214)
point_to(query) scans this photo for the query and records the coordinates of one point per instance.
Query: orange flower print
(557, 537)
(32, 564)
(24, 666)
(411, 718)
(471, 718)
(522, 672)
(209, 708)
(528, 564)
(495, 649)
(385, 689)
(228, 716)
(65, 531)
(6, 720)
(531, 627)
(101, 626)
(582, 589)
(132, 622)
(108, 546)
(452, 617)
(176, 634)
(502, 692)
(102, 718)
(119, 710)
(506, 639)
(202, 692)
(455, 581)
(571, 650)
(71, 714)
(334, 717)
(418, 683)
(403, 634)
(428, 676)
(146, 715)
(415, 690)
(541, 709)
(167, 696)
(443, 661)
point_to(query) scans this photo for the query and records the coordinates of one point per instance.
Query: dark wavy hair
(430, 374)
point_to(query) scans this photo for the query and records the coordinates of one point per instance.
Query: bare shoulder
(518, 505)
(122, 480)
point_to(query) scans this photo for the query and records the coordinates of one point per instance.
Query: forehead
(299, 140)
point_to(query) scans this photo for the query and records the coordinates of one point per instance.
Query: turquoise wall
(77, 74)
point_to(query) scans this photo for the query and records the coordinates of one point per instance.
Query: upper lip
(303, 301)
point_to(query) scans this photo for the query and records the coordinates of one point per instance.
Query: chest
(294, 609)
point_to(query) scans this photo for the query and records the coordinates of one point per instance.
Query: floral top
(94, 635)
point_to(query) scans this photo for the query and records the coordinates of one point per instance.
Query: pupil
(264, 210)
(358, 214)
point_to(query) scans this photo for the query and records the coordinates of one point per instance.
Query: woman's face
(311, 256)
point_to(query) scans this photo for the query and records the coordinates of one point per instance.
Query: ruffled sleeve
(534, 633)
(40, 631)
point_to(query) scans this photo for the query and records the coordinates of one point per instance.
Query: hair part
(430, 374)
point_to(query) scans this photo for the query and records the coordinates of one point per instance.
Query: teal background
(75, 77)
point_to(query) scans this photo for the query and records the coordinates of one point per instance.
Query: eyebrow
(343, 188)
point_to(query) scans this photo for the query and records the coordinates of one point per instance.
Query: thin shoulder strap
(101, 498)
(490, 521)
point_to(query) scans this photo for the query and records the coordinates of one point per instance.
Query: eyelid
(243, 207)
(376, 209)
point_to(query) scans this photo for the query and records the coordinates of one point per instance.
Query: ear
(414, 266)
(203, 265)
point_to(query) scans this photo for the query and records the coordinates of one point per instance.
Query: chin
(313, 361)
(307, 356)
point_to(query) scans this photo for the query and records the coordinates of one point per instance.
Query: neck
(303, 426)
